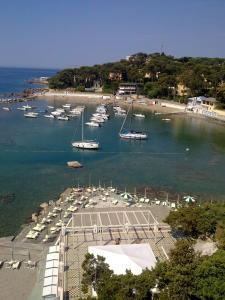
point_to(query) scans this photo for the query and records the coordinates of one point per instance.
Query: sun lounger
(9, 264)
(16, 265)
(31, 264)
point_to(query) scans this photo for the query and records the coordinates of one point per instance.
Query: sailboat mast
(124, 120)
(82, 127)
(131, 114)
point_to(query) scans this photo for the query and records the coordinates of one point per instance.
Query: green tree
(209, 277)
(96, 271)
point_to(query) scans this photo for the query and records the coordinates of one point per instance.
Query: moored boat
(49, 116)
(139, 116)
(63, 118)
(31, 115)
(92, 124)
(133, 135)
(6, 108)
(85, 144)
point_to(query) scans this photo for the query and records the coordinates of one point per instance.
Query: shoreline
(141, 103)
(160, 106)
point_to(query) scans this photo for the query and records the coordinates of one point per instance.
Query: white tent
(133, 257)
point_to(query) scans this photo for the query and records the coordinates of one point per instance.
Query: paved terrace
(105, 226)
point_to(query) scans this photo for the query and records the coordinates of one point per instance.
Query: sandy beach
(140, 103)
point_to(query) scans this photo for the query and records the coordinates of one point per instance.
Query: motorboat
(6, 108)
(63, 118)
(92, 124)
(103, 116)
(86, 144)
(97, 119)
(133, 135)
(56, 113)
(31, 115)
(120, 113)
(101, 109)
(50, 107)
(139, 116)
(49, 116)
(27, 106)
(22, 108)
(67, 106)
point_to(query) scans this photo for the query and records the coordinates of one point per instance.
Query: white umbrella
(126, 196)
(189, 199)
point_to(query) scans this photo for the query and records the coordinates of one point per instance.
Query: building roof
(133, 257)
(211, 99)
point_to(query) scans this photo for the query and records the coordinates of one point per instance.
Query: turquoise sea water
(34, 152)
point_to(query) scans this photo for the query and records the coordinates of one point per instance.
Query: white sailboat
(85, 144)
(131, 134)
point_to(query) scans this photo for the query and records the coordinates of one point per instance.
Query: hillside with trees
(157, 75)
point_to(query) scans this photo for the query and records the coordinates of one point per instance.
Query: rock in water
(74, 164)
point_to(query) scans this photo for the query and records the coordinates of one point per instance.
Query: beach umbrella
(126, 196)
(189, 199)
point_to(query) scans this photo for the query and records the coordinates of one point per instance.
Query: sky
(70, 33)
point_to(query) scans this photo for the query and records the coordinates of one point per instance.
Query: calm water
(15, 79)
(34, 152)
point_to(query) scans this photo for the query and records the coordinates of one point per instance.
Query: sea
(185, 156)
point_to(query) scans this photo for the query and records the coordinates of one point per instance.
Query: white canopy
(50, 290)
(53, 280)
(52, 264)
(133, 257)
(53, 249)
(52, 256)
(51, 272)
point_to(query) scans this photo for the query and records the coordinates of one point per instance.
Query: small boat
(103, 116)
(27, 106)
(49, 116)
(31, 115)
(21, 108)
(157, 113)
(120, 113)
(101, 109)
(67, 106)
(56, 113)
(50, 107)
(97, 120)
(92, 124)
(86, 144)
(139, 116)
(166, 119)
(63, 118)
(133, 135)
(6, 108)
